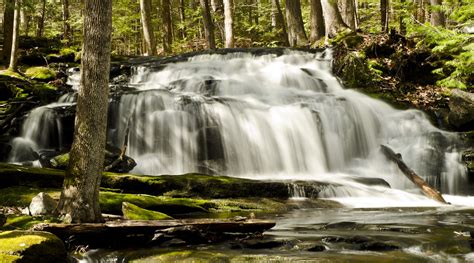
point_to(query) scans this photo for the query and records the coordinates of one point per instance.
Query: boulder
(133, 212)
(42, 204)
(31, 246)
(461, 105)
(3, 219)
(317, 248)
(468, 159)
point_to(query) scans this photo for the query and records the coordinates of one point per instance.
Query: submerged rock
(379, 246)
(31, 246)
(42, 204)
(461, 105)
(317, 248)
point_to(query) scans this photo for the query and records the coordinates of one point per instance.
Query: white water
(279, 118)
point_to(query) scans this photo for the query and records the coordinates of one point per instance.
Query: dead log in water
(125, 233)
(410, 174)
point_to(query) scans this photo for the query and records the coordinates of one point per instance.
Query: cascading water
(275, 117)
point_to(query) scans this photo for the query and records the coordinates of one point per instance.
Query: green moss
(12, 74)
(29, 246)
(60, 161)
(40, 73)
(185, 256)
(20, 196)
(67, 52)
(26, 222)
(133, 212)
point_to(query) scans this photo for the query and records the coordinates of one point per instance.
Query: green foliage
(40, 73)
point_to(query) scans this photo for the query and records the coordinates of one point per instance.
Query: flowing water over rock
(266, 117)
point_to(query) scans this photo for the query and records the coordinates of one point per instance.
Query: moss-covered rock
(133, 212)
(25, 222)
(28, 246)
(40, 73)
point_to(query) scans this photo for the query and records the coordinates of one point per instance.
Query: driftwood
(122, 233)
(410, 174)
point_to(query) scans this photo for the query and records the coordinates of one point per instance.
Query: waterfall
(272, 117)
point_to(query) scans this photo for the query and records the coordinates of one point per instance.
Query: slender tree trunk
(403, 27)
(219, 17)
(296, 33)
(420, 10)
(80, 195)
(348, 13)
(148, 36)
(280, 22)
(208, 25)
(15, 38)
(182, 16)
(437, 15)
(229, 23)
(40, 25)
(332, 18)
(167, 25)
(8, 18)
(384, 15)
(317, 21)
(66, 23)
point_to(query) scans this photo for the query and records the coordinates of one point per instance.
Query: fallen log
(412, 176)
(125, 233)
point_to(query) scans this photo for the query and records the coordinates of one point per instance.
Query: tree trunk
(348, 12)
(15, 38)
(148, 36)
(40, 25)
(384, 15)
(8, 18)
(317, 21)
(167, 26)
(279, 22)
(229, 23)
(208, 25)
(80, 195)
(332, 18)
(296, 33)
(437, 15)
(66, 23)
(403, 27)
(182, 16)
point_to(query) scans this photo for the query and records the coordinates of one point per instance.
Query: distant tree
(317, 30)
(40, 19)
(8, 18)
(278, 22)
(80, 195)
(384, 17)
(167, 26)
(294, 20)
(332, 18)
(15, 38)
(437, 15)
(208, 24)
(148, 35)
(66, 22)
(229, 23)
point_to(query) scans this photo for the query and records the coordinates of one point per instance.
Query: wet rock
(317, 248)
(461, 105)
(3, 219)
(42, 204)
(262, 244)
(349, 240)
(372, 181)
(341, 225)
(31, 246)
(379, 246)
(468, 159)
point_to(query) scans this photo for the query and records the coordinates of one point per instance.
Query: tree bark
(411, 175)
(332, 18)
(279, 22)
(148, 36)
(229, 23)
(66, 23)
(348, 13)
(182, 16)
(296, 33)
(8, 18)
(40, 25)
(317, 21)
(402, 25)
(208, 24)
(15, 38)
(80, 195)
(167, 26)
(437, 15)
(384, 15)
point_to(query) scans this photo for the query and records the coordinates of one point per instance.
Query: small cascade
(296, 191)
(266, 117)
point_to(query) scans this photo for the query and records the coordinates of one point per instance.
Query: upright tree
(182, 16)
(278, 22)
(208, 24)
(384, 17)
(167, 25)
(229, 23)
(437, 14)
(148, 36)
(16, 34)
(80, 195)
(317, 21)
(348, 13)
(294, 20)
(66, 22)
(40, 19)
(332, 18)
(8, 18)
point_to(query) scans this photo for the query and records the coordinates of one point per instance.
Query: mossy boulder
(31, 246)
(461, 106)
(133, 212)
(40, 73)
(25, 222)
